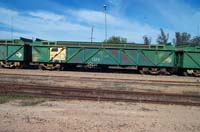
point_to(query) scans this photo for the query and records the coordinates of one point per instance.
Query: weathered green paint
(15, 53)
(75, 55)
(40, 54)
(111, 57)
(191, 60)
(11, 50)
(156, 58)
(108, 54)
(3, 52)
(188, 57)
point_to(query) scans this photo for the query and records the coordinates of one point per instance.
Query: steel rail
(135, 81)
(96, 94)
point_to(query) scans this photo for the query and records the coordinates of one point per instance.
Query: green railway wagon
(188, 60)
(148, 58)
(157, 59)
(14, 53)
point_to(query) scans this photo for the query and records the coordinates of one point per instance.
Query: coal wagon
(14, 53)
(152, 59)
(188, 60)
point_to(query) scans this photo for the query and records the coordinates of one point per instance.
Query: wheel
(40, 67)
(62, 67)
(171, 71)
(190, 72)
(166, 71)
(187, 72)
(154, 71)
(144, 70)
(59, 67)
(19, 66)
(196, 73)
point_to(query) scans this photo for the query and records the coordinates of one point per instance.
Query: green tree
(182, 38)
(162, 38)
(178, 39)
(116, 39)
(147, 40)
(196, 40)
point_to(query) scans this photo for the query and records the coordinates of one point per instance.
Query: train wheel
(166, 71)
(60, 67)
(19, 66)
(185, 73)
(154, 71)
(190, 72)
(144, 70)
(196, 73)
(41, 67)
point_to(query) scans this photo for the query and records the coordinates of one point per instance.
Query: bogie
(13, 65)
(190, 72)
(46, 66)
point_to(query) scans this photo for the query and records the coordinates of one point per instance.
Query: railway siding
(113, 88)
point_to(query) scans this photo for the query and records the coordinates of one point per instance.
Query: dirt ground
(90, 116)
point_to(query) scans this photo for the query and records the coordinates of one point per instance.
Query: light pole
(105, 7)
(92, 34)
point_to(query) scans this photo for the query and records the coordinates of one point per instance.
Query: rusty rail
(135, 81)
(98, 94)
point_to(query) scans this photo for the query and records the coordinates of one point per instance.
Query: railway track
(99, 94)
(99, 79)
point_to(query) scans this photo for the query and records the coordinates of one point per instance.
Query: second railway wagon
(153, 59)
(188, 60)
(14, 53)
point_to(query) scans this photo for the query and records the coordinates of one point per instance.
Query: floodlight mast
(92, 34)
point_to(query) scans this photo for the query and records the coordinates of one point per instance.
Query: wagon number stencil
(96, 59)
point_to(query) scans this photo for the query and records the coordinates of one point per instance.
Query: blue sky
(73, 19)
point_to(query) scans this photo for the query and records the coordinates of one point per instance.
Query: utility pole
(92, 34)
(105, 7)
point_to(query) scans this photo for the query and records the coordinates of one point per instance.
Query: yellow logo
(19, 55)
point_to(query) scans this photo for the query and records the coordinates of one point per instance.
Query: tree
(147, 40)
(182, 38)
(185, 38)
(162, 38)
(115, 39)
(178, 39)
(196, 41)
